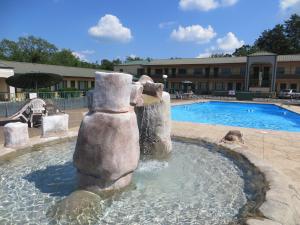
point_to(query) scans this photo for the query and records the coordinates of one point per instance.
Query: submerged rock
(81, 207)
(154, 121)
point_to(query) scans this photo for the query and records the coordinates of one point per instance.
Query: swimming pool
(259, 116)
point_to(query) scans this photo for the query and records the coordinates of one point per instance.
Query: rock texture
(108, 152)
(144, 79)
(153, 89)
(15, 134)
(136, 96)
(107, 149)
(112, 92)
(78, 208)
(55, 125)
(233, 136)
(154, 122)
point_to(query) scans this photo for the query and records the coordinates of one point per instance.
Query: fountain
(106, 154)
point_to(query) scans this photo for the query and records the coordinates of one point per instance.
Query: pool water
(196, 185)
(259, 116)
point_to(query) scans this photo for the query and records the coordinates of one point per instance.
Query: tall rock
(107, 149)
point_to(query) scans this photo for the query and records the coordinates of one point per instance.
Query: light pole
(165, 77)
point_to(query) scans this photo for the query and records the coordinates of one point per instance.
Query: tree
(220, 55)
(245, 50)
(107, 65)
(9, 50)
(274, 40)
(130, 59)
(65, 57)
(292, 30)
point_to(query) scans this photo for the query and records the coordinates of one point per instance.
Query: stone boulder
(112, 92)
(233, 136)
(15, 134)
(55, 125)
(154, 121)
(107, 149)
(81, 207)
(153, 89)
(136, 96)
(144, 79)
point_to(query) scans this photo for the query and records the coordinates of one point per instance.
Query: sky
(110, 29)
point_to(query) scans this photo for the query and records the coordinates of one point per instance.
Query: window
(226, 71)
(294, 87)
(230, 86)
(121, 70)
(198, 71)
(166, 71)
(243, 71)
(73, 84)
(64, 84)
(182, 71)
(219, 86)
(207, 71)
(297, 71)
(92, 84)
(83, 85)
(280, 71)
(173, 72)
(158, 71)
(140, 71)
(238, 86)
(282, 86)
(148, 71)
(216, 72)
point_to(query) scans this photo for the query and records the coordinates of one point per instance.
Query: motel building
(260, 72)
(73, 77)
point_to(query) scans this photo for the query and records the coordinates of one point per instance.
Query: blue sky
(98, 29)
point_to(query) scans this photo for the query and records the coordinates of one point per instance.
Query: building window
(149, 71)
(243, 71)
(207, 71)
(64, 84)
(92, 84)
(121, 70)
(238, 86)
(226, 71)
(219, 86)
(293, 86)
(280, 71)
(158, 71)
(182, 71)
(230, 86)
(166, 71)
(297, 71)
(198, 71)
(140, 71)
(73, 84)
(83, 85)
(216, 72)
(173, 72)
(282, 86)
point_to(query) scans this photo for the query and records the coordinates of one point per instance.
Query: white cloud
(110, 27)
(229, 43)
(205, 5)
(163, 25)
(288, 4)
(194, 33)
(82, 55)
(226, 45)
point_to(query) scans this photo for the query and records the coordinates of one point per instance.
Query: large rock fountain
(107, 149)
(111, 136)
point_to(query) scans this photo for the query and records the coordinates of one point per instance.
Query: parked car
(289, 93)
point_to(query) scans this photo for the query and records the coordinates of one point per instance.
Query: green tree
(107, 65)
(274, 40)
(65, 57)
(292, 30)
(9, 50)
(245, 50)
(220, 55)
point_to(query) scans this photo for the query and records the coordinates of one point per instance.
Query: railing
(22, 96)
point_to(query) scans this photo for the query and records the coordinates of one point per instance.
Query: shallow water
(195, 186)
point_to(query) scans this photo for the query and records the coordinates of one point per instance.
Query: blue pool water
(259, 116)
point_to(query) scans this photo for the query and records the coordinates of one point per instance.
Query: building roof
(262, 53)
(65, 71)
(207, 61)
(4, 66)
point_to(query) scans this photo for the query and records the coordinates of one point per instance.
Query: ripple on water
(195, 186)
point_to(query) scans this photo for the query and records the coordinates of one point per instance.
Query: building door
(230, 86)
(207, 71)
(238, 86)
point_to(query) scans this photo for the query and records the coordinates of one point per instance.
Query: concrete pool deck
(275, 153)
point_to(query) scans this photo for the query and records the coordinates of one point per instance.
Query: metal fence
(10, 108)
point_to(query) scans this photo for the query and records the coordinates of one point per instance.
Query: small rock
(233, 136)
